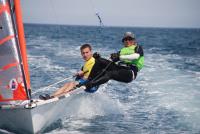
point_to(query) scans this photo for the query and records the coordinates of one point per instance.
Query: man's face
(128, 42)
(86, 53)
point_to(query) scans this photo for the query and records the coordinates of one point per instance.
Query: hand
(96, 55)
(79, 73)
(114, 57)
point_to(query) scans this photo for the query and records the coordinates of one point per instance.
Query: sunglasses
(127, 39)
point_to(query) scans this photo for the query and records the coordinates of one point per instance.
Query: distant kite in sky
(100, 20)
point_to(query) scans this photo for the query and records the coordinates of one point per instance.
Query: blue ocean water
(165, 97)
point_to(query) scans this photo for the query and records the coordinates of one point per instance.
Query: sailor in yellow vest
(82, 76)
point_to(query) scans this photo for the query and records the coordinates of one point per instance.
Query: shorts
(90, 90)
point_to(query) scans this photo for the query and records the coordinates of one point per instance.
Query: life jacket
(87, 67)
(139, 63)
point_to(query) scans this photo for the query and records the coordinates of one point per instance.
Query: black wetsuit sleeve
(99, 66)
(139, 50)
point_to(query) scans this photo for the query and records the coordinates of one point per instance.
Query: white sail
(11, 77)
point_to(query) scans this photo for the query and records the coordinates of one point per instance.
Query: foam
(171, 88)
(5, 131)
(90, 105)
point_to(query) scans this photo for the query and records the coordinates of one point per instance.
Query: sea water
(165, 97)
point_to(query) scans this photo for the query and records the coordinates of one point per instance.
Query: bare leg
(67, 87)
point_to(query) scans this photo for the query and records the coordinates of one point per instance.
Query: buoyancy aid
(131, 50)
(87, 67)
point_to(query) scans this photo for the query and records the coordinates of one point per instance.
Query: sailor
(131, 55)
(82, 76)
(130, 60)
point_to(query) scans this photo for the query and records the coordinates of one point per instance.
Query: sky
(134, 13)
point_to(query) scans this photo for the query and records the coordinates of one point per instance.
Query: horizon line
(162, 27)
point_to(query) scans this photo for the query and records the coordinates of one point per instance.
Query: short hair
(85, 46)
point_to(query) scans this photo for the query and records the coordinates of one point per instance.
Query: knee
(68, 84)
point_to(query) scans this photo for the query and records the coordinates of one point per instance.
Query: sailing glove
(114, 57)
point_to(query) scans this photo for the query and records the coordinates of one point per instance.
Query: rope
(103, 71)
(47, 87)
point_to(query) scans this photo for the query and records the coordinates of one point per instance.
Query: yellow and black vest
(87, 67)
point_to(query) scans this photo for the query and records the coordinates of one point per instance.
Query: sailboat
(18, 111)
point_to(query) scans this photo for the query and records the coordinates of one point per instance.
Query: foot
(88, 85)
(45, 97)
(79, 85)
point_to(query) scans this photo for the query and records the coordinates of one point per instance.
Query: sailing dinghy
(18, 111)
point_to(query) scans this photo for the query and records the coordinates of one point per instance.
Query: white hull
(35, 120)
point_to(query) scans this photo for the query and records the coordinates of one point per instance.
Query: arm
(80, 73)
(130, 57)
(136, 55)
